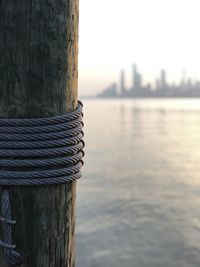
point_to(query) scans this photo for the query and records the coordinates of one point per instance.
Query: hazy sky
(155, 34)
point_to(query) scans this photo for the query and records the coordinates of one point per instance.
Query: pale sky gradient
(155, 34)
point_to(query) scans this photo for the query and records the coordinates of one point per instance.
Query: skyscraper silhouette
(137, 79)
(122, 83)
(163, 82)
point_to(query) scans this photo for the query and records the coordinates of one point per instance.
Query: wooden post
(38, 76)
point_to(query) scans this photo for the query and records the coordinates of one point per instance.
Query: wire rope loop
(35, 152)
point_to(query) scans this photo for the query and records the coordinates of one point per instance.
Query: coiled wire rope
(35, 152)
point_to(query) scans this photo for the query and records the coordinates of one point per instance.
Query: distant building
(137, 80)
(149, 87)
(184, 78)
(163, 82)
(157, 84)
(111, 91)
(122, 84)
(185, 88)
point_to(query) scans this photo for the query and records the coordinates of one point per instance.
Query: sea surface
(139, 198)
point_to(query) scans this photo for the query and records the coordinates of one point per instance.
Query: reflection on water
(139, 200)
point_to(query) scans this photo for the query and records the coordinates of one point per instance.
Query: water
(139, 200)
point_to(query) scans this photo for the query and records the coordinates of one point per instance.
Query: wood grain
(39, 77)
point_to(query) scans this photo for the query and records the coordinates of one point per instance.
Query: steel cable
(35, 152)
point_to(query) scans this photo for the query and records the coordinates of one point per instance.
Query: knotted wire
(35, 152)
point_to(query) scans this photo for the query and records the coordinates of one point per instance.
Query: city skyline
(152, 33)
(160, 87)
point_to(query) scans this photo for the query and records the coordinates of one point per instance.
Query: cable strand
(36, 152)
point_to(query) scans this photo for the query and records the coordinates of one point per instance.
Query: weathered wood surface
(39, 76)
